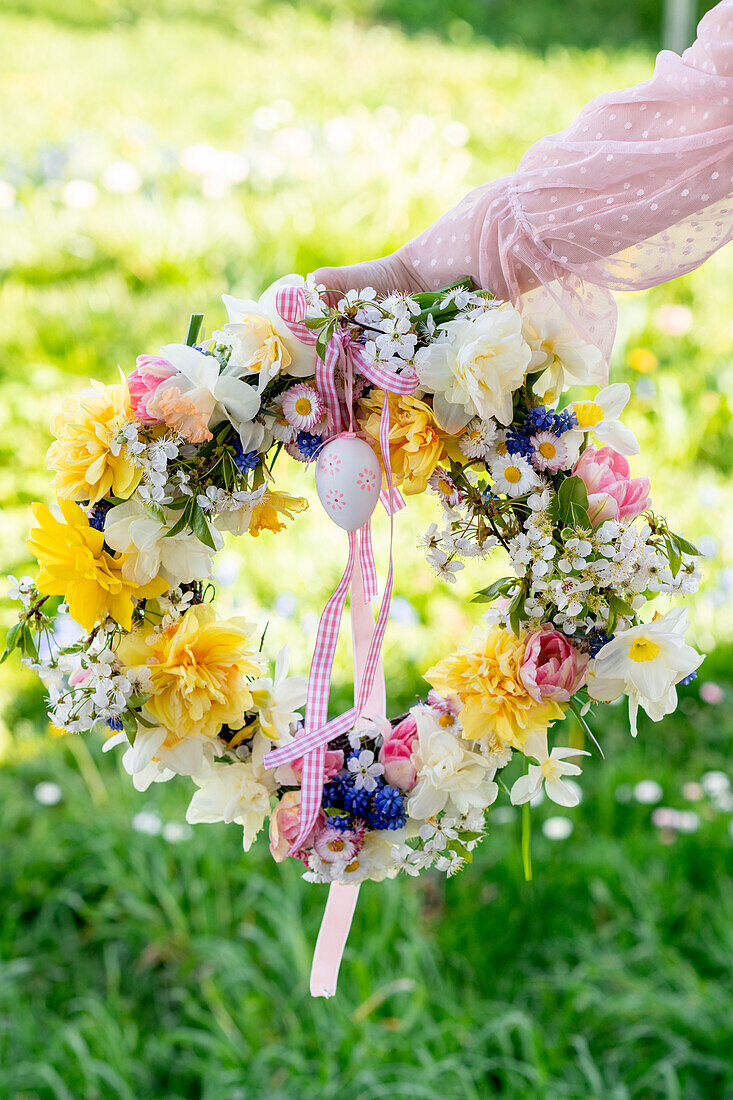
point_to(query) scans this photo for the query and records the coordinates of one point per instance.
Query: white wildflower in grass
(646, 663)
(551, 769)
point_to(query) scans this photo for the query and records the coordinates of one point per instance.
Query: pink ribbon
(369, 692)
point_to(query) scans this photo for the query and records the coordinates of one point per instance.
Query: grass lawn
(151, 158)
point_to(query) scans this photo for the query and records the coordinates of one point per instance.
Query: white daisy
(478, 437)
(513, 475)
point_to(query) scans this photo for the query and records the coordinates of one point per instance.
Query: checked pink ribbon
(317, 731)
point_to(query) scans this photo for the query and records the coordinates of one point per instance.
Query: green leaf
(183, 522)
(138, 700)
(154, 511)
(11, 641)
(129, 725)
(194, 327)
(498, 588)
(145, 722)
(685, 546)
(28, 643)
(516, 610)
(571, 503)
(200, 527)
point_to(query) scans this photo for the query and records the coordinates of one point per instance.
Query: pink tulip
(332, 765)
(396, 755)
(285, 825)
(612, 493)
(553, 668)
(143, 381)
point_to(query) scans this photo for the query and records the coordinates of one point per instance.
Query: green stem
(526, 842)
(194, 327)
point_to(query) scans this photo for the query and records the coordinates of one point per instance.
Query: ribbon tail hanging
(342, 897)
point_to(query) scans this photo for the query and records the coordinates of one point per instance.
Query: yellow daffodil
(416, 443)
(487, 679)
(267, 512)
(74, 564)
(198, 668)
(84, 456)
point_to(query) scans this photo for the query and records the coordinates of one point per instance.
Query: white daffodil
(645, 663)
(600, 416)
(549, 769)
(474, 367)
(260, 341)
(277, 699)
(132, 530)
(158, 755)
(231, 793)
(199, 397)
(449, 774)
(559, 356)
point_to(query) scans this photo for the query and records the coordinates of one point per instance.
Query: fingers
(385, 275)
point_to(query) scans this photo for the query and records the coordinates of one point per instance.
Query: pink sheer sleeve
(636, 191)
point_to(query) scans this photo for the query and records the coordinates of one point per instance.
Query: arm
(637, 190)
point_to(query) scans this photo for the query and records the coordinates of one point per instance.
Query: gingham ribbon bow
(317, 730)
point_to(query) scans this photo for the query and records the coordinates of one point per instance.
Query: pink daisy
(303, 407)
(442, 483)
(550, 453)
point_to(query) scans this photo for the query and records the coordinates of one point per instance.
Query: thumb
(385, 275)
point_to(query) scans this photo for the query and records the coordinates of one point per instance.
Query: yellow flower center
(446, 720)
(513, 474)
(353, 866)
(587, 413)
(643, 650)
(336, 845)
(445, 486)
(550, 771)
(549, 398)
(547, 449)
(303, 406)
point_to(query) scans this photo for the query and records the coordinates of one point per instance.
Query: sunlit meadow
(148, 164)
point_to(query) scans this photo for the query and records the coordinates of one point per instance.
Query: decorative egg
(348, 481)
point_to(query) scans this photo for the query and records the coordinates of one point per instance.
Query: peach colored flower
(285, 825)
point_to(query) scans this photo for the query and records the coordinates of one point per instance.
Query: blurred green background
(153, 155)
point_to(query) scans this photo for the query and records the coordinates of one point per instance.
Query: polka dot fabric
(636, 191)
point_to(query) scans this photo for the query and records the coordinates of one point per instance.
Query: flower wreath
(452, 392)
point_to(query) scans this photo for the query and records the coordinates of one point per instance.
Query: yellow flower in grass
(416, 443)
(487, 679)
(74, 564)
(83, 454)
(198, 668)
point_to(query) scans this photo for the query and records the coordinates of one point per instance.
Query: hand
(394, 272)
